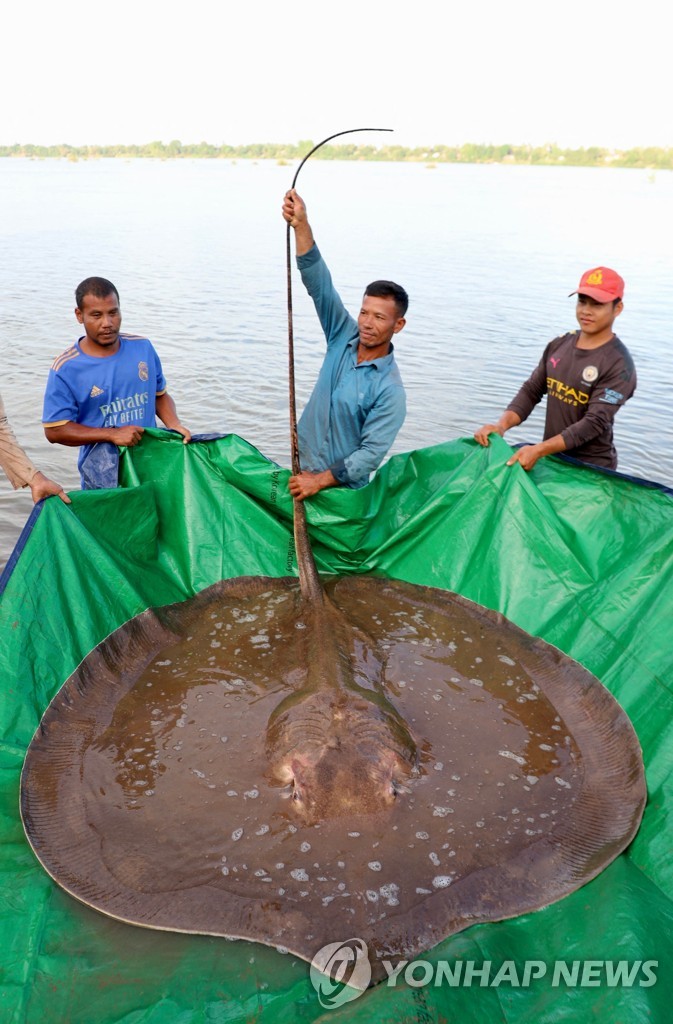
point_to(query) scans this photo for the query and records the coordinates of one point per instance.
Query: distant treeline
(470, 153)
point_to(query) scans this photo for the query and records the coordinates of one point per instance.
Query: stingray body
(384, 761)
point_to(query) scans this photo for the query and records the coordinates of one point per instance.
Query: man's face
(378, 321)
(101, 319)
(594, 317)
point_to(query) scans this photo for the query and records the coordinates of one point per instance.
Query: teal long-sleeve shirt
(355, 409)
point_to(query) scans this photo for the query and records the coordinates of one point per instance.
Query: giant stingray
(298, 765)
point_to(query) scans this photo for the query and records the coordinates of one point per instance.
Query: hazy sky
(571, 72)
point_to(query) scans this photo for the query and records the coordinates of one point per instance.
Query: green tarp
(581, 558)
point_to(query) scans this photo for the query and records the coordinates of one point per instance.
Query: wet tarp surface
(581, 558)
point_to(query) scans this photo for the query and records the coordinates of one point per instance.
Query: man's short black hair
(99, 287)
(389, 290)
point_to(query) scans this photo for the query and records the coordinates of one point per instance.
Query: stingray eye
(296, 792)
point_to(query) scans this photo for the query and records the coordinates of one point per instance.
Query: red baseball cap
(601, 284)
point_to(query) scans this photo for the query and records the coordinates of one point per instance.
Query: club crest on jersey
(589, 374)
(143, 372)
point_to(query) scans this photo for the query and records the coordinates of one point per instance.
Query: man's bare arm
(76, 434)
(168, 415)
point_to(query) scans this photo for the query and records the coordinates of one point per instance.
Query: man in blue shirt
(108, 386)
(358, 403)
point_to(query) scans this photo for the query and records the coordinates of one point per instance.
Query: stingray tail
(309, 581)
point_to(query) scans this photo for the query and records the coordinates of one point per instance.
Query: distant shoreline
(646, 158)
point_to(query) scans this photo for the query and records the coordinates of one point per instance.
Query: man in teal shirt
(358, 403)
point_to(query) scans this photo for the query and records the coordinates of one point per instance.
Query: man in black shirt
(587, 376)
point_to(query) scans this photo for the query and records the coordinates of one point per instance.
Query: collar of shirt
(379, 364)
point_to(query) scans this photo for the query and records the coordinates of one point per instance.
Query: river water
(196, 248)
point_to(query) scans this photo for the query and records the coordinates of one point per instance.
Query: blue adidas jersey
(112, 391)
